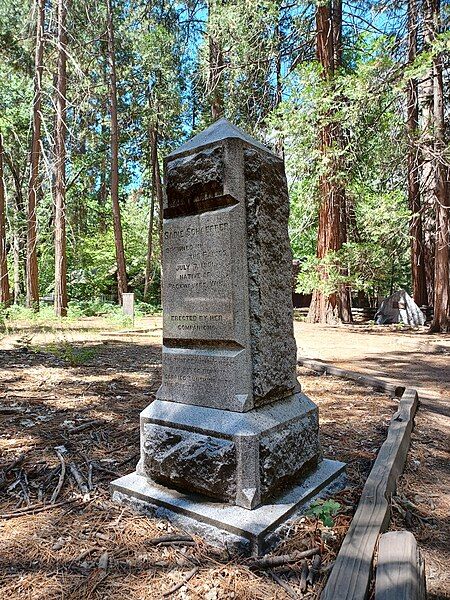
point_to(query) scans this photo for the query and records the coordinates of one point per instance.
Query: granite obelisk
(230, 437)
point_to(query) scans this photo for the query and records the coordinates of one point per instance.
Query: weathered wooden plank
(400, 568)
(350, 577)
(393, 389)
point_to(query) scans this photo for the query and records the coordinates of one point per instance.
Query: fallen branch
(304, 576)
(276, 561)
(33, 509)
(86, 425)
(60, 480)
(170, 538)
(315, 569)
(286, 587)
(76, 474)
(185, 579)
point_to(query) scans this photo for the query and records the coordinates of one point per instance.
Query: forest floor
(54, 378)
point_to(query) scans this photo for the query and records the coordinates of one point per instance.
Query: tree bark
(153, 159)
(18, 227)
(427, 171)
(32, 274)
(5, 296)
(441, 318)
(216, 66)
(122, 286)
(60, 167)
(419, 287)
(332, 231)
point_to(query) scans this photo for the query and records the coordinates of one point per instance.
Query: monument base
(239, 529)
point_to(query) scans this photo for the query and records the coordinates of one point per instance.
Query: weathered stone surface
(198, 288)
(128, 304)
(288, 453)
(272, 446)
(258, 529)
(229, 421)
(189, 460)
(194, 181)
(269, 266)
(192, 374)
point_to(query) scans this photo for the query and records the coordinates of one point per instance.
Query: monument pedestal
(230, 447)
(241, 530)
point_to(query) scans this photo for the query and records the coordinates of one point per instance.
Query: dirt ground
(54, 379)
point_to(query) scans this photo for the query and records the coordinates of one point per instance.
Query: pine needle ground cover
(70, 400)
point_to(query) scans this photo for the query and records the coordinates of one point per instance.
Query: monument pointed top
(220, 130)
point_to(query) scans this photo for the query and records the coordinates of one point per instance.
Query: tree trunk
(441, 319)
(216, 66)
(332, 232)
(279, 142)
(427, 171)
(18, 228)
(32, 264)
(60, 170)
(419, 287)
(5, 296)
(120, 254)
(153, 159)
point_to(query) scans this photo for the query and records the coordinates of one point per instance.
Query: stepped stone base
(241, 458)
(239, 529)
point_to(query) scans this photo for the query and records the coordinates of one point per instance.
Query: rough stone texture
(194, 181)
(287, 453)
(229, 421)
(241, 530)
(188, 460)
(242, 458)
(269, 266)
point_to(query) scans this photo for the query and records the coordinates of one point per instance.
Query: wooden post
(400, 570)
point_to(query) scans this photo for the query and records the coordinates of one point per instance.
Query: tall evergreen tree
(32, 274)
(60, 166)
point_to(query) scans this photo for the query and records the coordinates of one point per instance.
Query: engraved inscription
(197, 287)
(190, 376)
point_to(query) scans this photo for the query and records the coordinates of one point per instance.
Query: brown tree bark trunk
(153, 159)
(427, 170)
(279, 142)
(60, 167)
(419, 287)
(32, 274)
(441, 318)
(19, 237)
(332, 232)
(5, 295)
(122, 286)
(216, 66)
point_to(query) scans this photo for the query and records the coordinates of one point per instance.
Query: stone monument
(230, 447)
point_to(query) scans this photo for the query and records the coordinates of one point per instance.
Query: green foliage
(324, 510)
(371, 159)
(73, 355)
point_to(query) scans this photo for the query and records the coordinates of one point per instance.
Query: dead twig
(35, 509)
(286, 587)
(18, 461)
(170, 538)
(76, 474)
(304, 576)
(62, 475)
(315, 569)
(185, 579)
(86, 425)
(275, 561)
